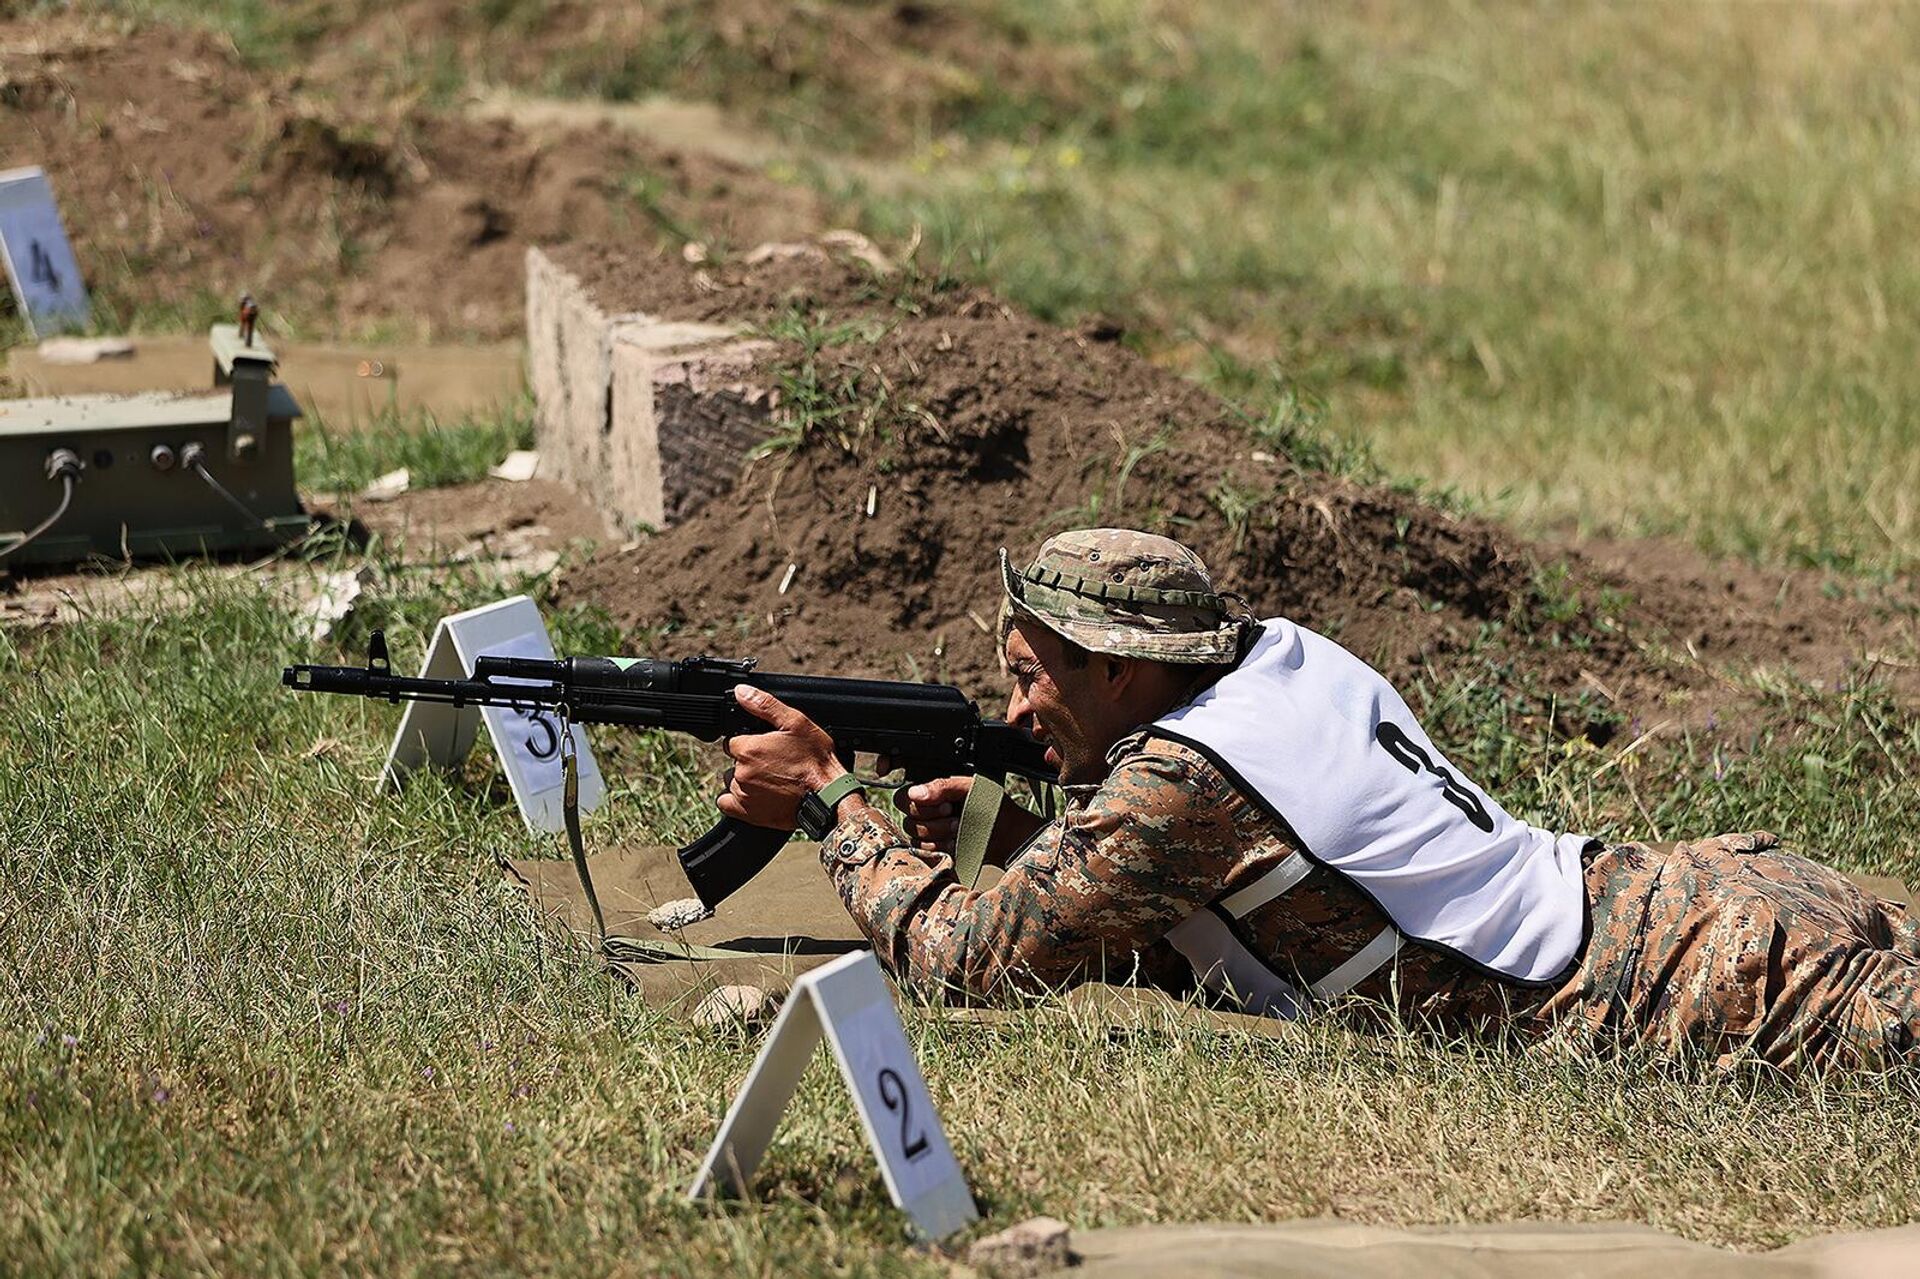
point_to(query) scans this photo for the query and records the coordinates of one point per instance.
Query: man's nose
(1020, 710)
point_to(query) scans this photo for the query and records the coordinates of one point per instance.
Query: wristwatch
(816, 810)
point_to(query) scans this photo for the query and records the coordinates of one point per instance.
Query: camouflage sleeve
(1092, 890)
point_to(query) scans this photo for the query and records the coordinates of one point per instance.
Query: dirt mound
(915, 68)
(979, 427)
(185, 178)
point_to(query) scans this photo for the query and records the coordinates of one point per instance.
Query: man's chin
(1082, 773)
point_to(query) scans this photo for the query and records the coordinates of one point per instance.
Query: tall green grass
(329, 459)
(262, 1018)
(1641, 268)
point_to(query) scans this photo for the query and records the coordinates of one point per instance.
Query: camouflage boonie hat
(1131, 594)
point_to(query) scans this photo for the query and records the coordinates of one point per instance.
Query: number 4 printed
(40, 268)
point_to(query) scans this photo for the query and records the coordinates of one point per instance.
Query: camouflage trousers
(1728, 946)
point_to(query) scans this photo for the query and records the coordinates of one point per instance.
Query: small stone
(734, 1006)
(84, 350)
(680, 913)
(388, 486)
(1037, 1246)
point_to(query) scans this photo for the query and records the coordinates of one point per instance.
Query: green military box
(155, 476)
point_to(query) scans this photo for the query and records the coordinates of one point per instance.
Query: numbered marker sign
(40, 263)
(526, 741)
(848, 1002)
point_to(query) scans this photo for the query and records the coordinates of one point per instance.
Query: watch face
(816, 819)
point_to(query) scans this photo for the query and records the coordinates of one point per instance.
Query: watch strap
(817, 810)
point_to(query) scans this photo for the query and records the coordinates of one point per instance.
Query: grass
(263, 1019)
(328, 460)
(1626, 268)
(822, 393)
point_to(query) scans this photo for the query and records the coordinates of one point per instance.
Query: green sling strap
(622, 949)
(570, 808)
(977, 817)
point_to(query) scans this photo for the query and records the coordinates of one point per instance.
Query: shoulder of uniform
(1147, 747)
(1151, 774)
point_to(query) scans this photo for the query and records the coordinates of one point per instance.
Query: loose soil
(995, 430)
(185, 178)
(490, 519)
(506, 527)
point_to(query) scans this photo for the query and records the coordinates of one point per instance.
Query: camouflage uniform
(1729, 945)
(1720, 946)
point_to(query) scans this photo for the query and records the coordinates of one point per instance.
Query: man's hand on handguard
(773, 771)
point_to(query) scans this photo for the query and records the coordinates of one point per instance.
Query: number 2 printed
(893, 1095)
(1404, 749)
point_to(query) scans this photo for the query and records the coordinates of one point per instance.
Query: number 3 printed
(548, 745)
(1408, 752)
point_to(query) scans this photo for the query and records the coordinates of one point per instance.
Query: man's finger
(730, 805)
(770, 708)
(941, 790)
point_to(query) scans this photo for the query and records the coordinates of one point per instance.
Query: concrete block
(647, 417)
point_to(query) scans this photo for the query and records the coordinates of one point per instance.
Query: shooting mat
(788, 918)
(791, 918)
(1327, 1249)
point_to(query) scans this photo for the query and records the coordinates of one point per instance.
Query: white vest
(1317, 737)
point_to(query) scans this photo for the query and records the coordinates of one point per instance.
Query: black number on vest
(1408, 752)
(893, 1094)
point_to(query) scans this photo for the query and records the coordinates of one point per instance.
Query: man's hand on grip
(932, 810)
(773, 771)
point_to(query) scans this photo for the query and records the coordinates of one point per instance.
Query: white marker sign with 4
(40, 263)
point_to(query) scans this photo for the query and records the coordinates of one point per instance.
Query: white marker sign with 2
(848, 1002)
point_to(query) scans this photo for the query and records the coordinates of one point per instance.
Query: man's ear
(1117, 674)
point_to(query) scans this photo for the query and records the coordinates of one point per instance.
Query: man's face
(1059, 704)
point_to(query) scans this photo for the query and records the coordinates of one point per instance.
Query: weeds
(262, 1005)
(824, 396)
(1237, 505)
(336, 461)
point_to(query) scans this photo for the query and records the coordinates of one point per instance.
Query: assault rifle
(929, 730)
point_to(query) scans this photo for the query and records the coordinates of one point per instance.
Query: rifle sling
(977, 818)
(621, 949)
(570, 804)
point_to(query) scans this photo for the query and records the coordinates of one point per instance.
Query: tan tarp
(791, 918)
(1517, 1250)
(790, 914)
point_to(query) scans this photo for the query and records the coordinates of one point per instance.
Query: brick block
(648, 418)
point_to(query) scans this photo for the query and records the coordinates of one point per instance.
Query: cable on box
(194, 458)
(63, 465)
